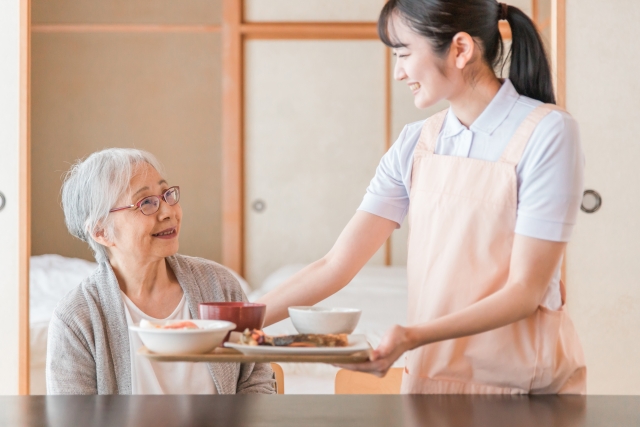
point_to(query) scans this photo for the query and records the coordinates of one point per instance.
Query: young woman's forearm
(360, 239)
(506, 306)
(309, 286)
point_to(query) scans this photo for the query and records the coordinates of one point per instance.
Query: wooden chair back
(350, 382)
(279, 373)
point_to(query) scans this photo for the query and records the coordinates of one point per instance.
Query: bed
(381, 293)
(50, 278)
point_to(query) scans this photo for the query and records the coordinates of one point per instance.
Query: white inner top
(151, 377)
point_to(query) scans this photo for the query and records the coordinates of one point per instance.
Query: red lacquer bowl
(243, 314)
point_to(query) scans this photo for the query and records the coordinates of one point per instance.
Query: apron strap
(430, 131)
(513, 153)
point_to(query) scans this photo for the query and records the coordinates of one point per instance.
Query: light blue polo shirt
(550, 173)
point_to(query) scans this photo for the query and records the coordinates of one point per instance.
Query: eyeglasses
(150, 205)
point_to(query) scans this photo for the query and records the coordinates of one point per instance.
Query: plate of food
(256, 342)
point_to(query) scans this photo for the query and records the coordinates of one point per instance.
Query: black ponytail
(530, 72)
(441, 20)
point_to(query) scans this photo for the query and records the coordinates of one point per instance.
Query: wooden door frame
(558, 66)
(24, 207)
(559, 50)
(235, 31)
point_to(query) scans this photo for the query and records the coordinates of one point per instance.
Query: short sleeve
(550, 180)
(388, 193)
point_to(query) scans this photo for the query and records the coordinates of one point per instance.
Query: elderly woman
(119, 203)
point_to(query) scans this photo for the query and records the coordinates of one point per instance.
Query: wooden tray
(228, 355)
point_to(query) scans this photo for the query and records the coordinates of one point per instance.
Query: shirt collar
(497, 110)
(492, 116)
(452, 125)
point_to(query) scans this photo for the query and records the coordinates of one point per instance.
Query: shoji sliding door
(315, 112)
(126, 73)
(315, 131)
(14, 244)
(603, 272)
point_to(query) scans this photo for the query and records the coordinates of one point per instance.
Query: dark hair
(441, 20)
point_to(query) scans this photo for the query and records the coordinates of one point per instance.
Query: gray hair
(93, 186)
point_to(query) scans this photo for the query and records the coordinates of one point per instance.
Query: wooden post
(24, 218)
(558, 49)
(558, 63)
(232, 137)
(388, 75)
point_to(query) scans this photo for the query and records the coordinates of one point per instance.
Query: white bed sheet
(379, 291)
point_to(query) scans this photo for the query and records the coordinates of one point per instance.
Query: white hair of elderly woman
(93, 186)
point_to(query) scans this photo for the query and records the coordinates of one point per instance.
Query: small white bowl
(324, 320)
(185, 341)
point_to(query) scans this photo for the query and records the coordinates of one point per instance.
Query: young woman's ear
(462, 49)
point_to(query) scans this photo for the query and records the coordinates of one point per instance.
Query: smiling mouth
(165, 232)
(414, 86)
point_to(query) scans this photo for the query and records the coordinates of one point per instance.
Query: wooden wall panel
(159, 92)
(126, 11)
(312, 10)
(524, 5)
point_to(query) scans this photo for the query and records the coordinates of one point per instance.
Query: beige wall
(126, 12)
(155, 91)
(603, 272)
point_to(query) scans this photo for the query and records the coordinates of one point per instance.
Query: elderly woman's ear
(101, 236)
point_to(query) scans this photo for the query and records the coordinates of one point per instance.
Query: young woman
(491, 187)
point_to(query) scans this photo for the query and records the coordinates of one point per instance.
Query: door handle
(259, 205)
(591, 201)
(3, 201)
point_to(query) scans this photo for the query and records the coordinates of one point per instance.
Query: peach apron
(462, 218)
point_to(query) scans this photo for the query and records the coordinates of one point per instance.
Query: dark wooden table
(327, 410)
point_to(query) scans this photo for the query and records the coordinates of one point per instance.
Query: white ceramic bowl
(183, 341)
(324, 320)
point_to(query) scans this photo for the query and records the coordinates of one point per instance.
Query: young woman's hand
(395, 342)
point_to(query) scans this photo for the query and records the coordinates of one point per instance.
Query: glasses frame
(162, 197)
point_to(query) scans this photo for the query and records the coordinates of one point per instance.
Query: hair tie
(503, 12)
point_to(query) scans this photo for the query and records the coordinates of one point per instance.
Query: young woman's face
(429, 77)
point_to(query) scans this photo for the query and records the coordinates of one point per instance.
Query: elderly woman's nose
(166, 211)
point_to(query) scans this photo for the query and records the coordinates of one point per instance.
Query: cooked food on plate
(183, 324)
(258, 337)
